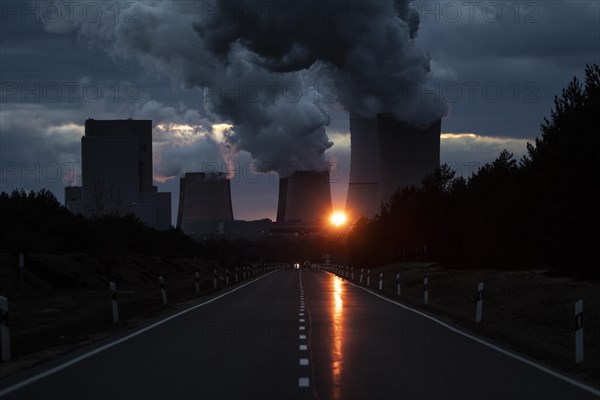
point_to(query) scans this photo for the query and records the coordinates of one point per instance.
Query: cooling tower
(364, 168)
(305, 196)
(203, 199)
(387, 154)
(406, 154)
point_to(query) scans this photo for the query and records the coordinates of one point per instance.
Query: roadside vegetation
(538, 212)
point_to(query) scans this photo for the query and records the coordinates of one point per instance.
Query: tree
(564, 177)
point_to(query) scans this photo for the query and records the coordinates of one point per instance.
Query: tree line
(35, 222)
(541, 211)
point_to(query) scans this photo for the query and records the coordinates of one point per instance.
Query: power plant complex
(386, 154)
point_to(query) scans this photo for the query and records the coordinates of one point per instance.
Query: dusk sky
(498, 65)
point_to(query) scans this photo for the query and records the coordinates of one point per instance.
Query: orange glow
(338, 218)
(338, 335)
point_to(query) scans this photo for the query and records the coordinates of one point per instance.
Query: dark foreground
(260, 341)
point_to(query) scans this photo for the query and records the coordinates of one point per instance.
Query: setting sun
(338, 218)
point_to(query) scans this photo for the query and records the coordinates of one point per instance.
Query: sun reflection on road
(337, 316)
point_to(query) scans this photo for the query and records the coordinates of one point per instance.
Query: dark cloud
(366, 49)
(528, 56)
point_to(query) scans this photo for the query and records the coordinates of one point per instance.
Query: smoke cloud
(268, 67)
(367, 49)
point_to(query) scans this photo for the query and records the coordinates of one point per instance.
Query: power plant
(204, 202)
(116, 158)
(387, 154)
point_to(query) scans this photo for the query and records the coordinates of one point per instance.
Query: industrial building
(116, 169)
(204, 203)
(364, 167)
(387, 154)
(304, 203)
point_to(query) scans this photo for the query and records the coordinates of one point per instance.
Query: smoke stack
(203, 198)
(305, 196)
(406, 154)
(364, 168)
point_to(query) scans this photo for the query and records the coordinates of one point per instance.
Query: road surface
(292, 335)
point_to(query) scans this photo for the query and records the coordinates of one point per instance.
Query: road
(292, 335)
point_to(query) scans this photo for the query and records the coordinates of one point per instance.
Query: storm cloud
(264, 67)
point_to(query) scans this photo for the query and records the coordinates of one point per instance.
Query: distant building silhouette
(364, 167)
(304, 205)
(116, 157)
(304, 196)
(204, 202)
(387, 154)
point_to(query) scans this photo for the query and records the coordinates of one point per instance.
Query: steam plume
(256, 61)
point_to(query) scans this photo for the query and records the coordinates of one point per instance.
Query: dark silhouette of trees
(35, 222)
(541, 211)
(564, 175)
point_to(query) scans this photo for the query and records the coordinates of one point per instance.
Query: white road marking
(302, 337)
(302, 327)
(303, 347)
(303, 382)
(488, 344)
(301, 319)
(301, 314)
(303, 361)
(107, 346)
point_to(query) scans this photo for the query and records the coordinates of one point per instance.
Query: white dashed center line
(303, 361)
(303, 382)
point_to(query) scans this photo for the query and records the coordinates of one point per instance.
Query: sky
(495, 66)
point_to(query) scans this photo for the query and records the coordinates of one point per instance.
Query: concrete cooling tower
(387, 154)
(282, 199)
(406, 154)
(204, 199)
(364, 168)
(304, 196)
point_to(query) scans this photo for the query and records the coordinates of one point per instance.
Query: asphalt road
(293, 335)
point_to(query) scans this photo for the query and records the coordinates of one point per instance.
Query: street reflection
(337, 317)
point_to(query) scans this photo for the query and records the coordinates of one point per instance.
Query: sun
(338, 218)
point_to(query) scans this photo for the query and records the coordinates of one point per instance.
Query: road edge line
(53, 370)
(484, 342)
